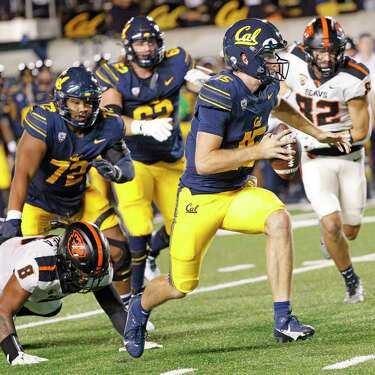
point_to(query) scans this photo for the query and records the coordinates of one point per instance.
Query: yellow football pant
(197, 219)
(157, 182)
(36, 221)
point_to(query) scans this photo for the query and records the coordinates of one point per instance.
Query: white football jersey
(325, 103)
(33, 261)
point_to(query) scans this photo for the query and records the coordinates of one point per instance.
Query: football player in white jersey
(37, 272)
(330, 90)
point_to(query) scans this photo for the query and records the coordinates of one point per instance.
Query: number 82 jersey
(325, 103)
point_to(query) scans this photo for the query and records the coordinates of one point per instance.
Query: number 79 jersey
(60, 182)
(325, 103)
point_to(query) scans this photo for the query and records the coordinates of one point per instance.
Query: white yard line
(350, 362)
(237, 267)
(179, 371)
(232, 284)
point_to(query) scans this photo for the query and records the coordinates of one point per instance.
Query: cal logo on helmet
(247, 38)
(60, 81)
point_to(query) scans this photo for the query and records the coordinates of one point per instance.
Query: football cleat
(290, 329)
(151, 270)
(354, 293)
(135, 328)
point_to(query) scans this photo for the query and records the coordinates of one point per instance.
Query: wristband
(14, 214)
(11, 347)
(11, 146)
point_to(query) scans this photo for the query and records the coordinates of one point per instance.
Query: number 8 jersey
(325, 102)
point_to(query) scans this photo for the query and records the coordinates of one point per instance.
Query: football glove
(159, 129)
(107, 169)
(10, 228)
(27, 359)
(196, 77)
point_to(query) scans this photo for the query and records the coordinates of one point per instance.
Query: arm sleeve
(110, 302)
(212, 120)
(357, 89)
(214, 106)
(35, 123)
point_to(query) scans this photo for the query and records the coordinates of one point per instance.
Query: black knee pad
(121, 269)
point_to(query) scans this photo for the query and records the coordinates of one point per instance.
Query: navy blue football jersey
(148, 99)
(60, 182)
(226, 107)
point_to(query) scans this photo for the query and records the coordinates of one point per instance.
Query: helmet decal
(258, 40)
(248, 39)
(79, 83)
(76, 245)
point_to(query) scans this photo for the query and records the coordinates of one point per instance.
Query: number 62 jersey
(325, 102)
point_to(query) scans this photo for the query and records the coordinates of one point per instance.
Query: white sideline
(349, 362)
(315, 266)
(179, 371)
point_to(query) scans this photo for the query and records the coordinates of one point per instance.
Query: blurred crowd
(34, 84)
(185, 12)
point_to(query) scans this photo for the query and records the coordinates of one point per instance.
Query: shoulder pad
(354, 68)
(47, 268)
(180, 54)
(298, 51)
(217, 93)
(35, 122)
(108, 74)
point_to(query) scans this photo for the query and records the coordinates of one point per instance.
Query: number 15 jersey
(325, 102)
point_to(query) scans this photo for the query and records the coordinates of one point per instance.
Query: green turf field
(227, 331)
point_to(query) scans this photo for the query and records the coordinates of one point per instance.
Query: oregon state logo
(242, 36)
(76, 245)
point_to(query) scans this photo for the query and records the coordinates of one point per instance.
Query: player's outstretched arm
(12, 299)
(286, 113)
(359, 114)
(30, 153)
(110, 302)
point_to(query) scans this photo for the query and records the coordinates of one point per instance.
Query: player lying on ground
(36, 273)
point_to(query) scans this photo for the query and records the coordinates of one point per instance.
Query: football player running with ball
(227, 136)
(330, 90)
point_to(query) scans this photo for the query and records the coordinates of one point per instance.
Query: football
(287, 169)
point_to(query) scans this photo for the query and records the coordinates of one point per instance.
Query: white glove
(160, 128)
(197, 77)
(27, 359)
